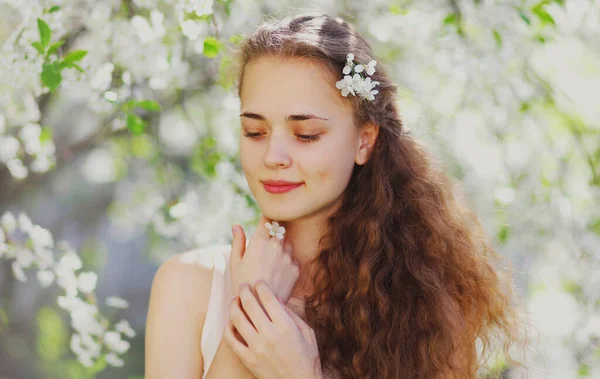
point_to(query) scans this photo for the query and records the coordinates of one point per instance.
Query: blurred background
(119, 132)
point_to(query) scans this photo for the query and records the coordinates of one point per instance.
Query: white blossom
(40, 237)
(113, 360)
(124, 328)
(87, 281)
(114, 342)
(9, 147)
(17, 169)
(116, 302)
(18, 272)
(45, 278)
(25, 223)
(275, 230)
(8, 222)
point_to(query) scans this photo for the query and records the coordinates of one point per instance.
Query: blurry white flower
(9, 147)
(66, 280)
(40, 165)
(84, 354)
(358, 68)
(204, 7)
(114, 342)
(45, 278)
(44, 258)
(113, 360)
(124, 327)
(191, 29)
(8, 222)
(71, 261)
(103, 77)
(275, 229)
(116, 302)
(83, 319)
(17, 169)
(30, 131)
(24, 256)
(350, 57)
(2, 236)
(87, 282)
(40, 237)
(145, 31)
(25, 223)
(18, 272)
(178, 210)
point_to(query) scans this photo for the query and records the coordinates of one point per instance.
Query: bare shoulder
(176, 313)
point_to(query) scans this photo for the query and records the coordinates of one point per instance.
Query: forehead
(290, 85)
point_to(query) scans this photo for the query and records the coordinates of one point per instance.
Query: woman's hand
(265, 258)
(279, 344)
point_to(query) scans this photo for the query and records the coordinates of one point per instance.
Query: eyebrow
(292, 117)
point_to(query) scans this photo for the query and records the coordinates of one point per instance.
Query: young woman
(364, 264)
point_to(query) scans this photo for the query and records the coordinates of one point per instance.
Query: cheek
(333, 165)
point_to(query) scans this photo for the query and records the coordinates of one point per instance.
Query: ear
(366, 140)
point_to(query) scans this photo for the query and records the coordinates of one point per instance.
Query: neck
(303, 234)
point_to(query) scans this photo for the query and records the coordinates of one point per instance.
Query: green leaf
(503, 234)
(54, 48)
(76, 66)
(595, 227)
(497, 37)
(51, 76)
(236, 39)
(450, 19)
(46, 134)
(211, 47)
(55, 8)
(542, 14)
(74, 56)
(39, 47)
(135, 124)
(149, 105)
(45, 32)
(524, 17)
(397, 9)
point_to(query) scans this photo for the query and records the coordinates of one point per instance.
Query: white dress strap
(217, 313)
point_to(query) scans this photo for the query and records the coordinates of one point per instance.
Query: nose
(277, 155)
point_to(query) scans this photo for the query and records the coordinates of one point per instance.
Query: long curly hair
(405, 285)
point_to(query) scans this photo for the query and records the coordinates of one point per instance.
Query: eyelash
(303, 138)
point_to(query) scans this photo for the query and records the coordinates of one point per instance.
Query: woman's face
(303, 134)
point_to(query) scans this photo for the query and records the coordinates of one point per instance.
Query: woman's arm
(227, 365)
(176, 314)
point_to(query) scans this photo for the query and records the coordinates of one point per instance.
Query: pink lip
(280, 188)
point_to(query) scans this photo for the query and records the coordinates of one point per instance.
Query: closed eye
(303, 137)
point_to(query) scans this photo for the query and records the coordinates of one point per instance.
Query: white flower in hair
(357, 83)
(275, 230)
(371, 67)
(346, 85)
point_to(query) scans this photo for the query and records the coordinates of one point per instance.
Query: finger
(238, 348)
(238, 245)
(254, 309)
(304, 328)
(241, 323)
(270, 302)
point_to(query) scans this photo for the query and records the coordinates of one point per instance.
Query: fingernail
(234, 230)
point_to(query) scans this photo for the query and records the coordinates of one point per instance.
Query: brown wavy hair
(405, 285)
